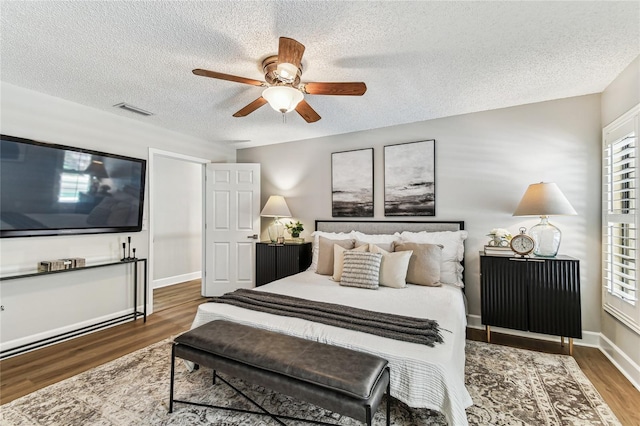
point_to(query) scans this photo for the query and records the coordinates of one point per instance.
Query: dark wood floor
(174, 310)
(175, 295)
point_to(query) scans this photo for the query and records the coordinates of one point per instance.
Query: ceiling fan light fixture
(282, 88)
(282, 98)
(287, 72)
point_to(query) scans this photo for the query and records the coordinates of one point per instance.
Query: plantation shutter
(620, 219)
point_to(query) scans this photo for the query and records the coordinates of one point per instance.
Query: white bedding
(421, 377)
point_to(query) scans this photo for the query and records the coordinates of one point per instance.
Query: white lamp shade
(544, 199)
(283, 98)
(276, 207)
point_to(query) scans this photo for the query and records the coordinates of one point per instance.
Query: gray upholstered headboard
(387, 227)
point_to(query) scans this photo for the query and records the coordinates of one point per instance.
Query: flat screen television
(48, 189)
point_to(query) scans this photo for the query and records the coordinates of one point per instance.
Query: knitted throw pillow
(361, 269)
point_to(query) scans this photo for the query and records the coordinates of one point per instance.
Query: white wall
(623, 344)
(622, 93)
(177, 224)
(484, 163)
(37, 307)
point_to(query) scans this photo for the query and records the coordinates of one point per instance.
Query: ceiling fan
(284, 91)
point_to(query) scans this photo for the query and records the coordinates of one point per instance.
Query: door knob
(253, 237)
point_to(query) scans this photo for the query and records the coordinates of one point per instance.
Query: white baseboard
(177, 279)
(627, 367)
(68, 328)
(589, 338)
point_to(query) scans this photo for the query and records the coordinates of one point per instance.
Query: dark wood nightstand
(536, 294)
(275, 261)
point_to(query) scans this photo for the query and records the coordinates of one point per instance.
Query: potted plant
(295, 228)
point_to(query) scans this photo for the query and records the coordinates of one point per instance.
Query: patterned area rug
(508, 386)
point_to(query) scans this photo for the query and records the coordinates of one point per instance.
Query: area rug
(508, 387)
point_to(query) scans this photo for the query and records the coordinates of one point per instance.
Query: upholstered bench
(341, 380)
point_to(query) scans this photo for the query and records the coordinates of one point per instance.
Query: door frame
(153, 154)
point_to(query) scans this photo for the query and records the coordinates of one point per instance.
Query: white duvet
(421, 377)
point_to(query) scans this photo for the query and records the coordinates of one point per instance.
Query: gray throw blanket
(398, 327)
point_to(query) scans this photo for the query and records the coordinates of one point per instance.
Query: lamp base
(276, 231)
(547, 238)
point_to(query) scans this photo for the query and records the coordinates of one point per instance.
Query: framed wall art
(352, 183)
(409, 179)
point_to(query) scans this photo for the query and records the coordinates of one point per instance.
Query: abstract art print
(352, 183)
(409, 179)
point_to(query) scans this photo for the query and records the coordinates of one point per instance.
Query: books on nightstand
(498, 251)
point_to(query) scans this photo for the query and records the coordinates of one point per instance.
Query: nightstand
(275, 261)
(536, 294)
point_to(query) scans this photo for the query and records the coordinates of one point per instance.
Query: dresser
(275, 261)
(540, 295)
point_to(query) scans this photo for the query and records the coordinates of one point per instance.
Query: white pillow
(316, 244)
(393, 266)
(452, 252)
(375, 238)
(338, 259)
(384, 241)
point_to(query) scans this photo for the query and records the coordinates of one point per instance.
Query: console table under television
(133, 316)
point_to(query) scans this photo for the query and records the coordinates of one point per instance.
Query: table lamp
(544, 199)
(276, 207)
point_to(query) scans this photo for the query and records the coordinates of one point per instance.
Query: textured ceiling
(420, 60)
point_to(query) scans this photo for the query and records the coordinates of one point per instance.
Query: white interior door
(232, 226)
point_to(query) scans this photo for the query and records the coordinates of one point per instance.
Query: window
(620, 218)
(73, 180)
(71, 185)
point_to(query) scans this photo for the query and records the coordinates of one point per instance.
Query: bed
(421, 376)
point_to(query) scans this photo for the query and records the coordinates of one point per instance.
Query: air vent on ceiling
(128, 107)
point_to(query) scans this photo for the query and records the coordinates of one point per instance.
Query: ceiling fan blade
(290, 51)
(309, 114)
(251, 107)
(345, 89)
(229, 77)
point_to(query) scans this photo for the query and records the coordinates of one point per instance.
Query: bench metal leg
(275, 417)
(264, 412)
(173, 372)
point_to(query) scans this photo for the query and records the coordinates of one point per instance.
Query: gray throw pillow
(424, 265)
(361, 269)
(325, 254)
